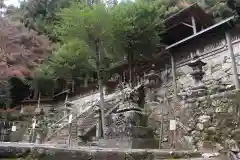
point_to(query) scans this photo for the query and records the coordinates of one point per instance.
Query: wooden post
(194, 25)
(70, 134)
(161, 130)
(234, 66)
(86, 80)
(35, 94)
(174, 76)
(33, 129)
(65, 105)
(70, 130)
(39, 100)
(73, 86)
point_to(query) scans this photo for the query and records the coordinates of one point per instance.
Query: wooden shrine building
(190, 32)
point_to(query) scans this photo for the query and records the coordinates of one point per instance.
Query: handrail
(67, 123)
(65, 116)
(87, 115)
(72, 119)
(71, 113)
(92, 103)
(61, 119)
(107, 114)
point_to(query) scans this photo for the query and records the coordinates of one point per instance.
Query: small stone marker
(172, 126)
(34, 124)
(14, 128)
(70, 118)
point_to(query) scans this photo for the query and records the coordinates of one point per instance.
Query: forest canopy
(81, 29)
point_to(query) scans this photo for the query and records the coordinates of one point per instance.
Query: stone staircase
(60, 131)
(88, 123)
(84, 119)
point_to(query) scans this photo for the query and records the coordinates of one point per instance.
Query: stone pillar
(98, 127)
(234, 66)
(38, 139)
(86, 80)
(124, 76)
(174, 76)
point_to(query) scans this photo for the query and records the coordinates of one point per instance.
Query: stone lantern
(38, 118)
(197, 73)
(153, 81)
(39, 112)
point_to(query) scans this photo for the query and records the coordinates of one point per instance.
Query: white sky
(12, 2)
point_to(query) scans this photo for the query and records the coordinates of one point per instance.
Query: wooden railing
(91, 109)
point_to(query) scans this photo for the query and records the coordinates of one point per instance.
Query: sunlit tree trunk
(100, 81)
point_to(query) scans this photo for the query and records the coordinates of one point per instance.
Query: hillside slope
(21, 50)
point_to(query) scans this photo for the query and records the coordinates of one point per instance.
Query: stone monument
(126, 128)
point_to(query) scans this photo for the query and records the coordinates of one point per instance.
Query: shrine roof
(227, 23)
(178, 26)
(193, 10)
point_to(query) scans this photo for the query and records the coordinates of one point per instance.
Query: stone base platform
(134, 143)
(50, 152)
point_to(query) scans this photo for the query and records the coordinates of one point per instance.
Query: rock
(209, 155)
(210, 111)
(219, 147)
(196, 134)
(230, 109)
(232, 145)
(236, 132)
(212, 129)
(199, 126)
(204, 118)
(191, 123)
(219, 109)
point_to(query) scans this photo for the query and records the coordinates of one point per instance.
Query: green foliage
(79, 28)
(218, 8)
(40, 15)
(5, 95)
(71, 60)
(130, 28)
(88, 23)
(234, 5)
(44, 79)
(136, 27)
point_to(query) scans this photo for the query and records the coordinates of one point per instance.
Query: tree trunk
(35, 94)
(73, 85)
(100, 81)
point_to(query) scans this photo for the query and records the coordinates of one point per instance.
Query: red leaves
(19, 48)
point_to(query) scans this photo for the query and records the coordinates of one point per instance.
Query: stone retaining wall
(213, 119)
(44, 153)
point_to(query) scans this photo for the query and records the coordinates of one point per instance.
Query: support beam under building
(194, 25)
(234, 66)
